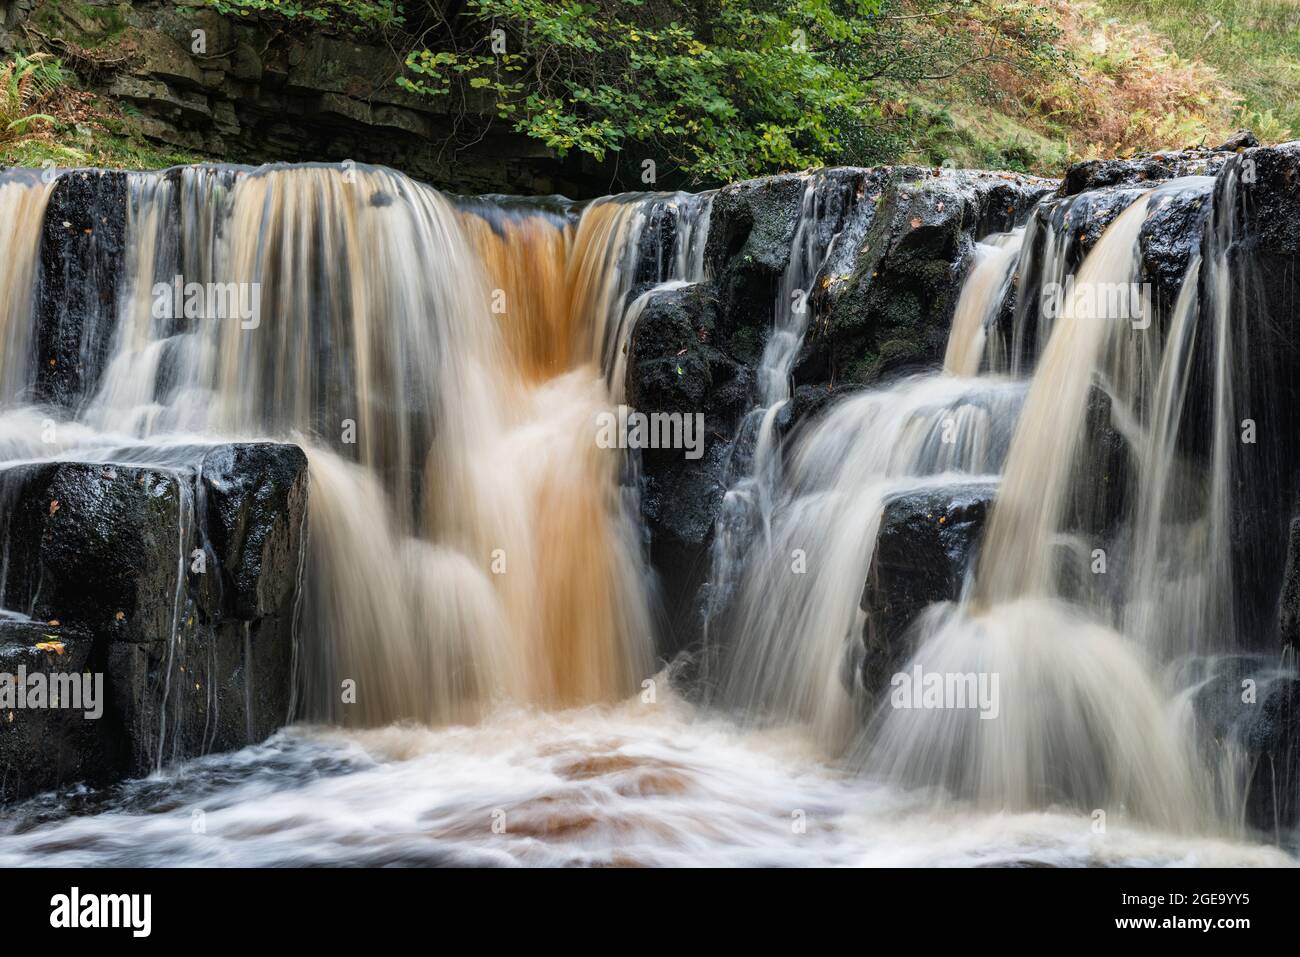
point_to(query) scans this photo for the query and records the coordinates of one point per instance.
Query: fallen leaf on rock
(54, 646)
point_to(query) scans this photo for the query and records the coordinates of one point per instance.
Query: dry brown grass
(1127, 92)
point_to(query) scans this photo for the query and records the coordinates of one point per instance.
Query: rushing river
(627, 786)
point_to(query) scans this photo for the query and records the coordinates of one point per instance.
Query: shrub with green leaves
(715, 90)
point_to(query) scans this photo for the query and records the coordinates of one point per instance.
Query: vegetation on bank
(46, 119)
(723, 89)
(1256, 43)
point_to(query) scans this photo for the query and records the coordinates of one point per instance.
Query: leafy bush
(712, 89)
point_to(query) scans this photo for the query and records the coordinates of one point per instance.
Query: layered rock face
(172, 588)
(249, 90)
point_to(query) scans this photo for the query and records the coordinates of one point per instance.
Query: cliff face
(257, 91)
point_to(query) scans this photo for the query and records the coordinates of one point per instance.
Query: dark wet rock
(751, 231)
(1102, 495)
(924, 549)
(805, 406)
(95, 544)
(1142, 170)
(1170, 237)
(178, 585)
(672, 357)
(1086, 218)
(893, 312)
(656, 243)
(43, 746)
(680, 502)
(1289, 598)
(1240, 140)
(1272, 743)
(1263, 253)
(676, 367)
(254, 493)
(80, 262)
(1247, 706)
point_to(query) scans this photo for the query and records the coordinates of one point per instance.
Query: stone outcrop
(176, 585)
(254, 89)
(890, 314)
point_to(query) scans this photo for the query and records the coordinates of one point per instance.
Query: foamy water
(629, 785)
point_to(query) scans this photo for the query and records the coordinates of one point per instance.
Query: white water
(628, 785)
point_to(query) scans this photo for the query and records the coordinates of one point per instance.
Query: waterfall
(1094, 669)
(473, 550)
(23, 195)
(805, 575)
(981, 298)
(749, 501)
(1094, 676)
(443, 363)
(1020, 548)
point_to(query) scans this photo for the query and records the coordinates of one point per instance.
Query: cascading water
(461, 357)
(475, 566)
(808, 571)
(981, 296)
(23, 196)
(1100, 661)
(748, 505)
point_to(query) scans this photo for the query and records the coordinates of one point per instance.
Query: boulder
(1144, 170)
(924, 549)
(1170, 237)
(254, 493)
(43, 745)
(176, 585)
